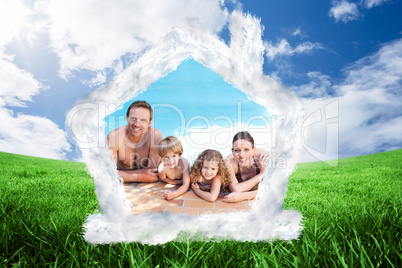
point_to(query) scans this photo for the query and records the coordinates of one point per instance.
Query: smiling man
(135, 145)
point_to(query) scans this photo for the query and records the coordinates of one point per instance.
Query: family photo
(191, 143)
(143, 155)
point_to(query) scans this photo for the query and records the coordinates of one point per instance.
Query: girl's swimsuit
(200, 183)
(238, 174)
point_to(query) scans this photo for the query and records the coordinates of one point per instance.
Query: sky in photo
(195, 96)
(193, 99)
(54, 52)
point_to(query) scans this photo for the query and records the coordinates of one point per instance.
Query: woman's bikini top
(238, 174)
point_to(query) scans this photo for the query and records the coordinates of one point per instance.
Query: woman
(246, 166)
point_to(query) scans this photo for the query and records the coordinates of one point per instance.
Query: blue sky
(53, 53)
(192, 90)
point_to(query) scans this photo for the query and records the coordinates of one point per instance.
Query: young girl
(208, 174)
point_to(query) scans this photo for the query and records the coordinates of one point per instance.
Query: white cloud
(93, 34)
(97, 80)
(283, 48)
(382, 70)
(88, 35)
(17, 86)
(298, 32)
(372, 3)
(369, 104)
(344, 11)
(316, 88)
(11, 20)
(31, 135)
(23, 134)
(26, 134)
(372, 90)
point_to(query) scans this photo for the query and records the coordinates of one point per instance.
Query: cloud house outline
(239, 64)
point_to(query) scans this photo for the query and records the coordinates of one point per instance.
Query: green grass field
(352, 217)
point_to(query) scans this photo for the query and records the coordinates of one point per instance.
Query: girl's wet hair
(243, 135)
(170, 144)
(210, 155)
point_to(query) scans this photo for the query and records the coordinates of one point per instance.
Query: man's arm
(138, 175)
(154, 158)
(141, 175)
(113, 144)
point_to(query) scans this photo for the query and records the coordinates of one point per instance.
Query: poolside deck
(148, 198)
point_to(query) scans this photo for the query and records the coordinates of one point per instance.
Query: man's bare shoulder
(118, 131)
(115, 136)
(156, 132)
(154, 137)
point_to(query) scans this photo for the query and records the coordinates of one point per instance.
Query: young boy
(174, 169)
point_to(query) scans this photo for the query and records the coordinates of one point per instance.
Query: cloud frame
(241, 65)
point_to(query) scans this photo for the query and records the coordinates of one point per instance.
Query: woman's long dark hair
(243, 135)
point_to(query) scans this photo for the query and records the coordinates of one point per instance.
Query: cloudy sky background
(52, 53)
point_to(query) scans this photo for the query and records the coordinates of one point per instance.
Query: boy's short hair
(170, 144)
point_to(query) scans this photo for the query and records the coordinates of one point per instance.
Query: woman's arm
(244, 186)
(234, 185)
(263, 159)
(237, 196)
